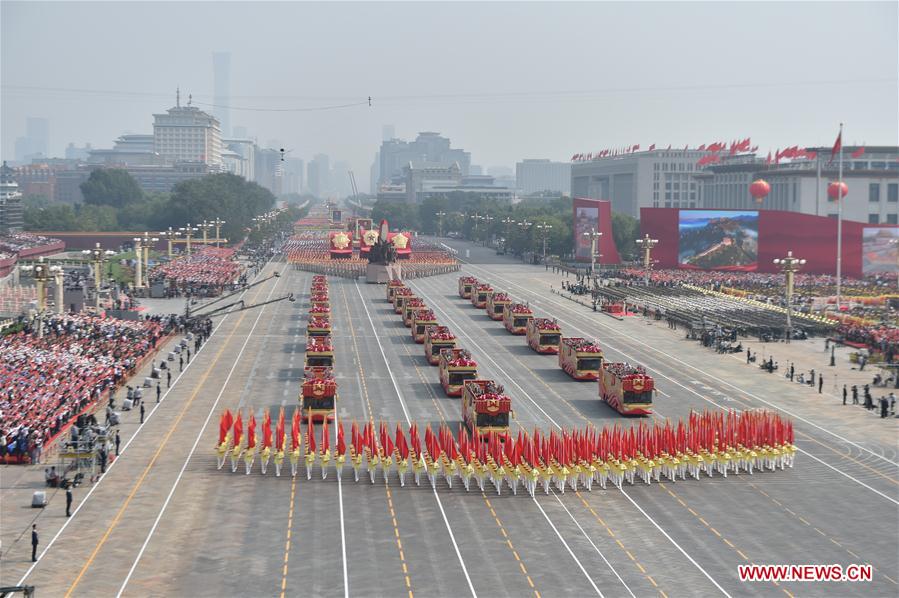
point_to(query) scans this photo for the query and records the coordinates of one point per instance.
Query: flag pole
(840, 224)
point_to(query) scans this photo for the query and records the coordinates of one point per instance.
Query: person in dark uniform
(844, 394)
(884, 407)
(748, 355)
(188, 355)
(141, 413)
(854, 394)
(33, 542)
(158, 392)
(792, 371)
(118, 441)
(820, 382)
(869, 402)
(180, 363)
(168, 379)
(68, 501)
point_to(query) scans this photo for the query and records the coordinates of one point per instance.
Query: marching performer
(224, 437)
(266, 453)
(250, 453)
(238, 436)
(280, 441)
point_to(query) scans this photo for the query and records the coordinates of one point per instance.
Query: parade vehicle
(410, 306)
(544, 335)
(626, 388)
(438, 338)
(399, 296)
(479, 295)
(320, 280)
(318, 327)
(319, 351)
(496, 305)
(580, 358)
(422, 319)
(485, 407)
(466, 284)
(455, 367)
(318, 395)
(393, 285)
(320, 298)
(323, 312)
(516, 317)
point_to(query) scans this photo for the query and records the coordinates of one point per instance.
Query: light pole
(148, 241)
(170, 235)
(789, 266)
(544, 229)
(647, 244)
(217, 223)
(205, 228)
(487, 220)
(188, 232)
(42, 273)
(594, 239)
(98, 256)
(525, 225)
(508, 222)
(440, 216)
(474, 217)
(138, 263)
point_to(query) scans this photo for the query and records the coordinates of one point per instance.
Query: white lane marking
(598, 551)
(704, 572)
(215, 403)
(676, 545)
(568, 548)
(399, 394)
(127, 444)
(712, 376)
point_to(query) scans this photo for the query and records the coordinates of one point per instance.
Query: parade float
(320, 298)
(410, 306)
(626, 388)
(318, 395)
(486, 408)
(322, 312)
(437, 339)
(544, 335)
(319, 351)
(422, 319)
(399, 297)
(466, 284)
(496, 304)
(392, 286)
(455, 367)
(479, 294)
(318, 326)
(580, 358)
(516, 317)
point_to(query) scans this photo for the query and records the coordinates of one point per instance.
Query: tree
(625, 230)
(111, 187)
(398, 214)
(52, 218)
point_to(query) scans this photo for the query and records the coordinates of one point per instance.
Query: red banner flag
(279, 431)
(858, 153)
(295, 430)
(326, 436)
(837, 145)
(341, 443)
(266, 430)
(238, 428)
(251, 432)
(310, 435)
(652, 147)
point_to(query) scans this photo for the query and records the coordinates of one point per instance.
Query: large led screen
(880, 250)
(586, 219)
(718, 239)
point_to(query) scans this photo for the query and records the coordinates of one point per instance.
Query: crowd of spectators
(205, 272)
(882, 338)
(17, 242)
(59, 365)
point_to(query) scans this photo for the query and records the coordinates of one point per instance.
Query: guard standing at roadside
(844, 394)
(820, 382)
(141, 413)
(854, 394)
(68, 501)
(884, 407)
(118, 441)
(168, 379)
(33, 542)
(158, 392)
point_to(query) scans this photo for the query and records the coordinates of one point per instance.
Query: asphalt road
(166, 521)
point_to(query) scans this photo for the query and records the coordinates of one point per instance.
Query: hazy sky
(504, 81)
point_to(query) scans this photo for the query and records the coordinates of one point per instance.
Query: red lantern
(759, 189)
(837, 190)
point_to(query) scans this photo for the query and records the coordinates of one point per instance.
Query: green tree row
(114, 201)
(524, 224)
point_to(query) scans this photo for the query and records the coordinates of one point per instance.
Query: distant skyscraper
(221, 66)
(428, 147)
(374, 174)
(318, 175)
(388, 132)
(535, 176)
(239, 132)
(187, 134)
(77, 153)
(36, 142)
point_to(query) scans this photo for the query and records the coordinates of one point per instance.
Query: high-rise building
(536, 176)
(221, 70)
(428, 147)
(187, 134)
(74, 152)
(340, 179)
(374, 174)
(269, 170)
(11, 209)
(239, 132)
(36, 142)
(318, 175)
(294, 175)
(128, 150)
(244, 163)
(388, 132)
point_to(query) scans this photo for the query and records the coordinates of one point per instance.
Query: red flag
(310, 435)
(266, 430)
(837, 145)
(295, 430)
(224, 426)
(341, 443)
(858, 153)
(251, 432)
(326, 436)
(279, 431)
(811, 155)
(238, 428)
(652, 147)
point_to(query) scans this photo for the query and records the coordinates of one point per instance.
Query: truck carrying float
(466, 284)
(580, 358)
(456, 366)
(410, 306)
(485, 407)
(399, 296)
(544, 335)
(516, 317)
(438, 338)
(392, 286)
(319, 351)
(479, 295)
(496, 305)
(422, 319)
(626, 388)
(318, 395)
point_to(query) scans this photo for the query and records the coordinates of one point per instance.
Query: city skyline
(644, 81)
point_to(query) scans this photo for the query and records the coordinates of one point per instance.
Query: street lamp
(217, 223)
(647, 244)
(508, 221)
(475, 218)
(544, 228)
(98, 256)
(205, 228)
(594, 236)
(170, 235)
(440, 216)
(487, 220)
(147, 241)
(188, 232)
(789, 266)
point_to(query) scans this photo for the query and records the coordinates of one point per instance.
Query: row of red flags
(706, 432)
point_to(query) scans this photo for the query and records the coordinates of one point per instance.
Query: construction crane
(355, 193)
